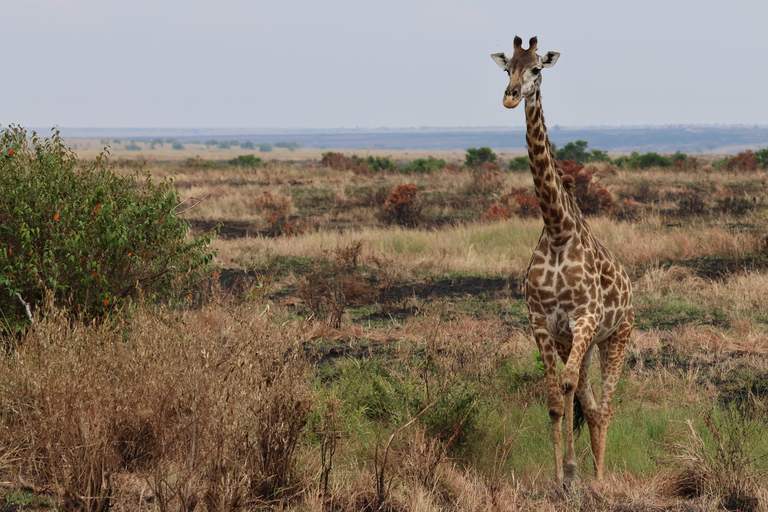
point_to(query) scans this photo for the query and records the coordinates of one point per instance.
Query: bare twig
(380, 475)
(198, 201)
(26, 308)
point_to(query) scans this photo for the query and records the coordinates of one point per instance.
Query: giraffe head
(524, 70)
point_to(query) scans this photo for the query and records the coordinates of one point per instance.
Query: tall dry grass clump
(730, 473)
(202, 408)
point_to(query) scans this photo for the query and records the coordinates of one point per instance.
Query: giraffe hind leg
(612, 352)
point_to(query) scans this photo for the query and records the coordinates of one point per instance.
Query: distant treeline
(132, 145)
(578, 153)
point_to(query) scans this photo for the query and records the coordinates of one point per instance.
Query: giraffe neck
(557, 208)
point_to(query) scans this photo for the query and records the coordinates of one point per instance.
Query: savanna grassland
(361, 343)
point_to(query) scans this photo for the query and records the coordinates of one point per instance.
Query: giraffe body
(579, 296)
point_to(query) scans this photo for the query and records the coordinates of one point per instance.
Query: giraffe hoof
(570, 478)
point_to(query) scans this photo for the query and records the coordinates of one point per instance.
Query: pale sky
(392, 63)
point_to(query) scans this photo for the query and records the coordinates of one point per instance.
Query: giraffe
(579, 296)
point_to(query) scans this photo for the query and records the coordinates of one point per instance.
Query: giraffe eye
(535, 71)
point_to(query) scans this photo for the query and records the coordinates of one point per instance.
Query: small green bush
(476, 157)
(177, 145)
(520, 163)
(424, 166)
(132, 146)
(265, 148)
(761, 157)
(247, 145)
(246, 161)
(90, 237)
(381, 163)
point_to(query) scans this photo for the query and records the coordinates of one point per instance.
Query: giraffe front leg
(583, 333)
(554, 397)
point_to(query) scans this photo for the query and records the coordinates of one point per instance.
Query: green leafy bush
(265, 148)
(381, 163)
(246, 161)
(424, 166)
(90, 237)
(761, 157)
(177, 145)
(520, 163)
(247, 145)
(476, 157)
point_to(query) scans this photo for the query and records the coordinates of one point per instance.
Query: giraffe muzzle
(512, 97)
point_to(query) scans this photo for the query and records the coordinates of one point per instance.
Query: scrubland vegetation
(358, 340)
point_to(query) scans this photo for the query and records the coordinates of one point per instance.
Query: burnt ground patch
(720, 267)
(453, 287)
(227, 229)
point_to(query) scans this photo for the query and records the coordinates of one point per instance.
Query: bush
(520, 163)
(265, 148)
(522, 202)
(761, 157)
(340, 162)
(591, 196)
(422, 166)
(381, 163)
(247, 145)
(199, 163)
(91, 237)
(745, 161)
(132, 146)
(495, 213)
(177, 145)
(246, 161)
(480, 156)
(402, 207)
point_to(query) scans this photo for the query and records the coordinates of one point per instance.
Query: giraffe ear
(502, 59)
(548, 60)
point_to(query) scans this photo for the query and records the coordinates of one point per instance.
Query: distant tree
(265, 148)
(157, 140)
(479, 156)
(247, 145)
(234, 143)
(116, 141)
(177, 145)
(290, 146)
(212, 142)
(171, 140)
(599, 156)
(575, 151)
(132, 146)
(223, 145)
